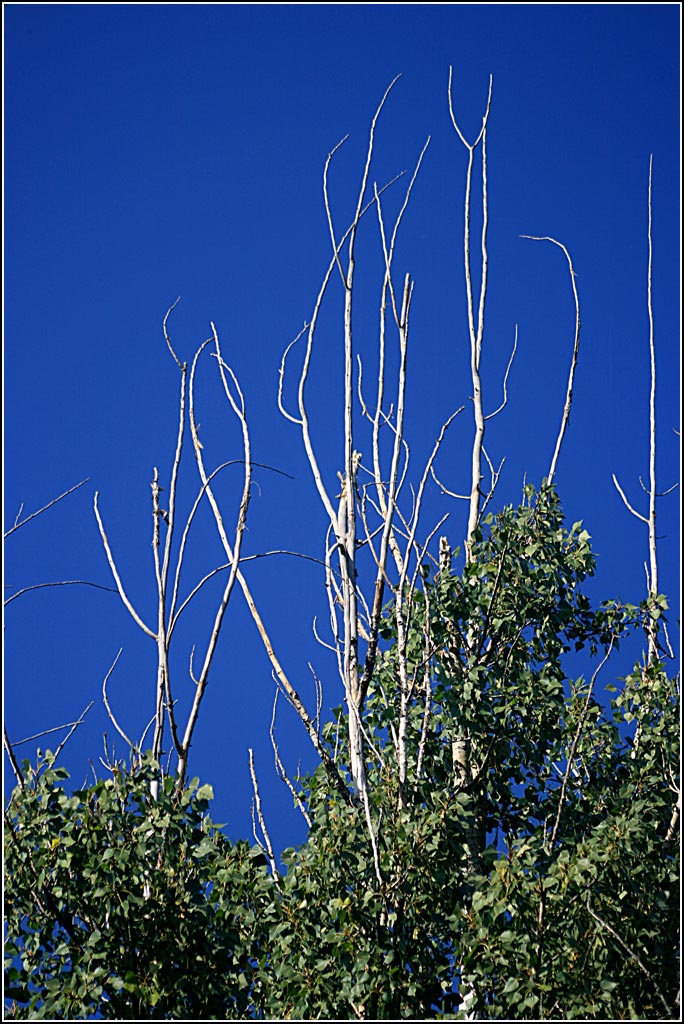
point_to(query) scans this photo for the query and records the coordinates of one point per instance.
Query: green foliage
(126, 906)
(524, 855)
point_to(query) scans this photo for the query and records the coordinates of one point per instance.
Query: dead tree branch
(105, 700)
(19, 523)
(58, 583)
(268, 849)
(476, 330)
(575, 352)
(12, 759)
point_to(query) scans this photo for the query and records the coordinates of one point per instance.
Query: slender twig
(166, 333)
(445, 490)
(491, 415)
(328, 210)
(631, 509)
(105, 699)
(72, 730)
(59, 583)
(12, 759)
(659, 494)
(171, 513)
(281, 378)
(575, 741)
(246, 558)
(115, 573)
(280, 768)
(495, 474)
(421, 488)
(650, 520)
(260, 816)
(55, 728)
(575, 351)
(304, 373)
(652, 418)
(373, 838)
(633, 956)
(163, 680)
(291, 693)
(18, 523)
(173, 613)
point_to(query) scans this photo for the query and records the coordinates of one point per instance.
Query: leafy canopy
(517, 851)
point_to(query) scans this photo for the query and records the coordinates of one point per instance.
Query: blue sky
(160, 150)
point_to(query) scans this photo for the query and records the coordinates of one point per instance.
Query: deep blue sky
(161, 150)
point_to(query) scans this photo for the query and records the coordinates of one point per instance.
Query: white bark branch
(575, 352)
(105, 700)
(115, 573)
(476, 331)
(262, 824)
(19, 523)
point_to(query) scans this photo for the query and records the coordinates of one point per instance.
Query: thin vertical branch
(575, 352)
(262, 823)
(163, 683)
(12, 759)
(476, 332)
(233, 551)
(650, 521)
(652, 433)
(343, 518)
(280, 767)
(575, 741)
(346, 534)
(388, 504)
(105, 701)
(115, 573)
(72, 730)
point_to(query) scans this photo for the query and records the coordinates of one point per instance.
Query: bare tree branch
(476, 332)
(58, 583)
(575, 352)
(260, 816)
(166, 334)
(496, 412)
(55, 728)
(19, 523)
(233, 551)
(115, 573)
(105, 699)
(280, 768)
(652, 417)
(72, 730)
(632, 510)
(12, 759)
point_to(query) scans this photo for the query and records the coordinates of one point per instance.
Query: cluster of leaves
(126, 906)
(133, 908)
(570, 909)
